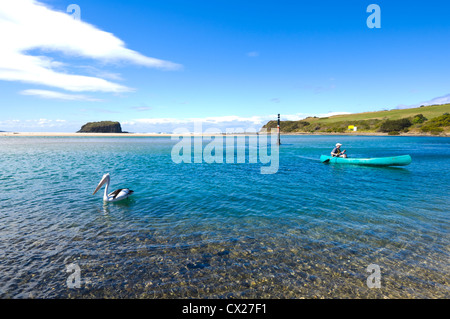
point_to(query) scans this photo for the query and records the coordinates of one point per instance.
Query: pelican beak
(102, 182)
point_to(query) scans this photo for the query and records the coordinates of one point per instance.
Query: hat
(338, 144)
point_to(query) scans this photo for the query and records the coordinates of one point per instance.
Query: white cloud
(26, 125)
(332, 114)
(100, 73)
(59, 96)
(44, 122)
(166, 125)
(141, 108)
(221, 123)
(29, 25)
(256, 120)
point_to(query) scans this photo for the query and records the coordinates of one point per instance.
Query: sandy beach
(65, 134)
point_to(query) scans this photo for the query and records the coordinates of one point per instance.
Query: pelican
(115, 196)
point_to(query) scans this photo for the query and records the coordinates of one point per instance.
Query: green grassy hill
(433, 119)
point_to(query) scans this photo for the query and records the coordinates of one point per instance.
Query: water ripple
(222, 230)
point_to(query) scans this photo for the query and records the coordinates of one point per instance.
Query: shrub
(395, 125)
(432, 129)
(287, 126)
(436, 130)
(418, 119)
(394, 133)
(303, 123)
(435, 125)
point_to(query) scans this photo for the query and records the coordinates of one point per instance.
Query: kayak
(376, 161)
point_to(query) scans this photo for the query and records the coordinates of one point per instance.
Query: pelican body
(118, 194)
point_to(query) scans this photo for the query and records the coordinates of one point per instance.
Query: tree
(395, 125)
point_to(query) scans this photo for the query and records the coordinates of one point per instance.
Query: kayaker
(336, 152)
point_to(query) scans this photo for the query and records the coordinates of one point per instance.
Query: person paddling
(336, 152)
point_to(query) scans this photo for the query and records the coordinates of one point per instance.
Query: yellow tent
(351, 127)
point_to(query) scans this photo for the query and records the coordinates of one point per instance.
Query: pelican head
(104, 180)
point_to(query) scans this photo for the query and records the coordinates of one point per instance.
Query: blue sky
(158, 65)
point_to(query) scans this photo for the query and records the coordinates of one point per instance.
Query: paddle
(328, 159)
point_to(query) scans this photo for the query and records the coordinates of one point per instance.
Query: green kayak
(377, 161)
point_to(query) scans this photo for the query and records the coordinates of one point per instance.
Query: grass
(371, 122)
(428, 111)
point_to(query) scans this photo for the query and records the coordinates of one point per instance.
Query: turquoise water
(223, 230)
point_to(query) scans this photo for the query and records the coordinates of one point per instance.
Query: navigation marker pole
(278, 129)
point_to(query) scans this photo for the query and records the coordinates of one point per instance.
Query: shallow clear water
(223, 230)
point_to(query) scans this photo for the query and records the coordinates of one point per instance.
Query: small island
(101, 127)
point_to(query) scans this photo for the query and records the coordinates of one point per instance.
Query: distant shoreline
(63, 134)
(368, 134)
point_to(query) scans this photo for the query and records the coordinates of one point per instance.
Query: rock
(101, 127)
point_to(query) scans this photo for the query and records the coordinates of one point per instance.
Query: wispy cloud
(253, 54)
(94, 71)
(437, 100)
(46, 94)
(97, 110)
(220, 122)
(327, 85)
(318, 89)
(141, 108)
(211, 120)
(275, 100)
(33, 26)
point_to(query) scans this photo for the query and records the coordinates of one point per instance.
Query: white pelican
(115, 196)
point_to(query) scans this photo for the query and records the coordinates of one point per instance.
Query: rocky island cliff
(101, 127)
